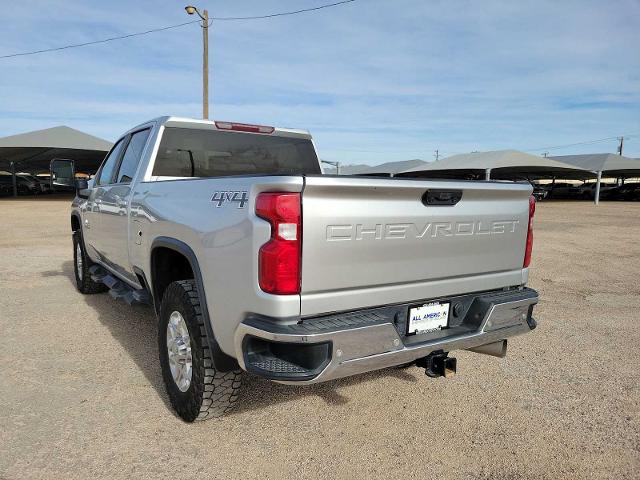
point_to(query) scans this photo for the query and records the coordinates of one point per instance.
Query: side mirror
(82, 188)
(62, 174)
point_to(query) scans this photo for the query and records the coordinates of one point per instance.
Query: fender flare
(77, 216)
(222, 361)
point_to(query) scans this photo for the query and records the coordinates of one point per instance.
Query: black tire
(84, 282)
(211, 393)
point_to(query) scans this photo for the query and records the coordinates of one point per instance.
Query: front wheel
(81, 265)
(197, 391)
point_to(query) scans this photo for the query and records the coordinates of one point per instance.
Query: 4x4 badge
(239, 197)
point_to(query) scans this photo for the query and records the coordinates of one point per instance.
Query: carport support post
(487, 174)
(13, 179)
(597, 197)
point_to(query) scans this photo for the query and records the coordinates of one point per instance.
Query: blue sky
(374, 80)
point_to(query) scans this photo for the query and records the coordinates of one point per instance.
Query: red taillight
(279, 258)
(529, 246)
(243, 127)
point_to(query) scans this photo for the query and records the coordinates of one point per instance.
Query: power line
(589, 142)
(259, 17)
(104, 40)
(161, 29)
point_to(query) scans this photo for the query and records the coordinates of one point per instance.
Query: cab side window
(109, 165)
(132, 155)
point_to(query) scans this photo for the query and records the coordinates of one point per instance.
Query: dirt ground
(81, 393)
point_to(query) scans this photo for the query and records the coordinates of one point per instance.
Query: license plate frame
(428, 317)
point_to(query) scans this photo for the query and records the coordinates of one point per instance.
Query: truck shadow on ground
(135, 328)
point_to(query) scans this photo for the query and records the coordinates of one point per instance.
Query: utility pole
(190, 9)
(335, 164)
(205, 65)
(620, 146)
(545, 154)
(437, 155)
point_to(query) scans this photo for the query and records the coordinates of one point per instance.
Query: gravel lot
(81, 393)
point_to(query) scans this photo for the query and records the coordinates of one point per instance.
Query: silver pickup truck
(255, 261)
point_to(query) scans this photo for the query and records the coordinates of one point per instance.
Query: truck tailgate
(362, 233)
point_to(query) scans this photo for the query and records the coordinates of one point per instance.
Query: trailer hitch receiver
(438, 364)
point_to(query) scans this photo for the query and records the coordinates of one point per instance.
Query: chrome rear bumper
(380, 344)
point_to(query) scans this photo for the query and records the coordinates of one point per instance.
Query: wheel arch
(222, 361)
(75, 222)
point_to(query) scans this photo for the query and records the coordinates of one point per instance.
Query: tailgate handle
(441, 197)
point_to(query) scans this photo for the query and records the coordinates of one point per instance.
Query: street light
(190, 9)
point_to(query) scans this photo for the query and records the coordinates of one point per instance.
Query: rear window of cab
(188, 152)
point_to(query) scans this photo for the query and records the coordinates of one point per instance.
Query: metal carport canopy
(499, 164)
(604, 164)
(33, 151)
(611, 165)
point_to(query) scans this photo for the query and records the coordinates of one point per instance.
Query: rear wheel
(197, 391)
(81, 265)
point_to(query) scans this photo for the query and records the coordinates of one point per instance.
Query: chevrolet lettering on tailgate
(392, 231)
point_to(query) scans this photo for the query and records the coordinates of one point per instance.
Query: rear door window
(132, 155)
(188, 152)
(109, 165)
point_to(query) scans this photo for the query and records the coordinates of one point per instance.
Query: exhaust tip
(495, 349)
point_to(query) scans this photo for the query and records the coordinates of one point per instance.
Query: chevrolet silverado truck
(254, 261)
